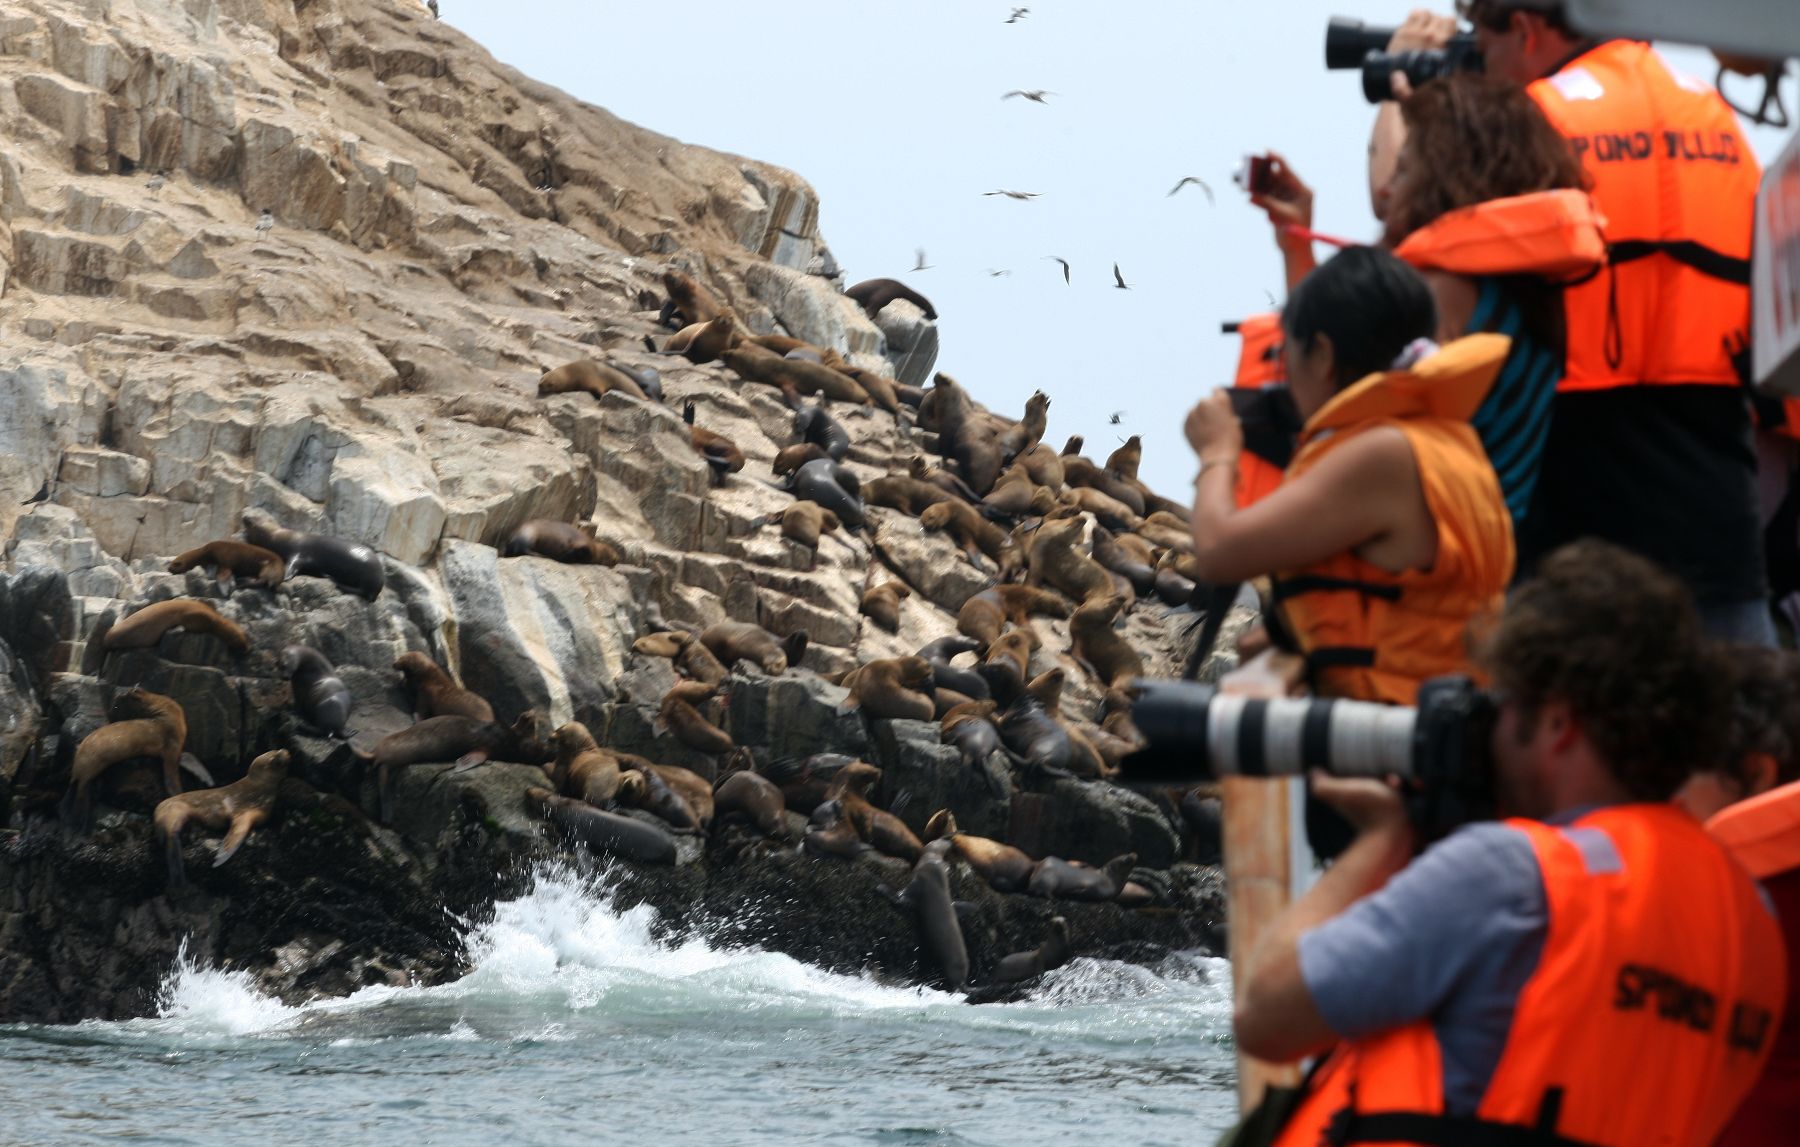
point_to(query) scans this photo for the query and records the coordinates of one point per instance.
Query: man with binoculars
(1594, 970)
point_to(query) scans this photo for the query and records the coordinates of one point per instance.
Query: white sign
(1775, 275)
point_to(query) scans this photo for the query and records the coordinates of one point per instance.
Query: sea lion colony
(1054, 535)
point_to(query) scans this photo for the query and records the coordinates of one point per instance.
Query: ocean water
(575, 1025)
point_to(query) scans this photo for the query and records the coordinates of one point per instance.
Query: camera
(1350, 43)
(1196, 734)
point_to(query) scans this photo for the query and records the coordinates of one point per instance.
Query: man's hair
(1496, 15)
(1765, 711)
(1616, 639)
(1370, 304)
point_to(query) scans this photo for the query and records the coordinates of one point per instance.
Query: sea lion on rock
(1123, 462)
(972, 730)
(1170, 586)
(734, 641)
(1052, 953)
(680, 714)
(436, 694)
(1011, 651)
(235, 809)
(1079, 472)
(1015, 496)
(582, 768)
(1118, 559)
(647, 378)
(705, 342)
(804, 522)
(790, 376)
(692, 658)
(1027, 432)
(1166, 530)
(985, 615)
(586, 376)
(1051, 559)
(1099, 645)
(560, 542)
(804, 782)
(1036, 739)
(790, 458)
(231, 561)
(882, 604)
(1108, 511)
(961, 436)
(830, 833)
(602, 831)
(1005, 868)
(719, 452)
(695, 302)
(1056, 878)
(143, 724)
(890, 836)
(833, 486)
(879, 388)
(1044, 466)
(944, 480)
(900, 492)
(144, 628)
(940, 930)
(873, 294)
(675, 794)
(972, 532)
(851, 787)
(462, 740)
(947, 676)
(751, 798)
(350, 565)
(892, 688)
(319, 693)
(813, 424)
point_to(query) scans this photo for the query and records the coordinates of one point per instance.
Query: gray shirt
(1451, 939)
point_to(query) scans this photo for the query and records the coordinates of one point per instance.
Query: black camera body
(1443, 746)
(1350, 43)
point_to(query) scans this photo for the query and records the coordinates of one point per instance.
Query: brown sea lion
(851, 787)
(560, 542)
(1168, 531)
(675, 794)
(1036, 739)
(319, 693)
(940, 930)
(734, 641)
(231, 561)
(873, 294)
(234, 809)
(1078, 471)
(692, 658)
(1108, 511)
(1052, 559)
(949, 483)
(790, 458)
(1047, 689)
(975, 534)
(1053, 953)
(830, 833)
(803, 522)
(680, 714)
(1118, 559)
(350, 565)
(879, 388)
(462, 740)
(720, 453)
(1011, 652)
(695, 302)
(882, 604)
(946, 676)
(900, 492)
(985, 615)
(753, 364)
(1005, 868)
(603, 831)
(890, 836)
(970, 441)
(893, 688)
(1123, 462)
(143, 629)
(1170, 586)
(436, 694)
(755, 800)
(805, 781)
(1015, 495)
(784, 344)
(583, 769)
(589, 377)
(1097, 643)
(1028, 431)
(1057, 878)
(944, 701)
(1044, 465)
(1072, 448)
(972, 730)
(705, 342)
(143, 724)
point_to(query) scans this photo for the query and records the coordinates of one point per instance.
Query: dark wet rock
(931, 776)
(1092, 821)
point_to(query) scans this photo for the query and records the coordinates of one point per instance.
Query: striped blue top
(1513, 423)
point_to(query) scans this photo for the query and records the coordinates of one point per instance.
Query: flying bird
(1118, 279)
(432, 4)
(1013, 194)
(1018, 14)
(920, 264)
(1115, 417)
(1036, 95)
(265, 222)
(1065, 266)
(156, 183)
(996, 274)
(1200, 183)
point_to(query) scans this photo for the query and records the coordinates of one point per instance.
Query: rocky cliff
(312, 258)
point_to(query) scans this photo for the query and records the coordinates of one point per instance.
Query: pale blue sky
(893, 113)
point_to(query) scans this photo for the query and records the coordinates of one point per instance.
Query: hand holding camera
(1282, 195)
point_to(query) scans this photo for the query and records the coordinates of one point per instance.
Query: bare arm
(1455, 297)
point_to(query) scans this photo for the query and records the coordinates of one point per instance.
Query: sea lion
(560, 542)
(436, 694)
(893, 688)
(1016, 496)
(753, 799)
(1166, 530)
(1028, 431)
(949, 483)
(603, 831)
(900, 492)
(233, 560)
(589, 377)
(144, 628)
(1005, 868)
(879, 388)
(1170, 586)
(851, 787)
(970, 442)
(873, 294)
(647, 378)
(705, 342)
(833, 486)
(734, 641)
(1079, 471)
(790, 376)
(805, 781)
(790, 458)
(236, 809)
(1108, 511)
(1052, 953)
(944, 675)
(977, 738)
(583, 769)
(1099, 645)
(985, 615)
(1052, 559)
(680, 714)
(350, 565)
(882, 604)
(1118, 559)
(692, 658)
(890, 836)
(830, 833)
(319, 693)
(1056, 878)
(1123, 462)
(1010, 652)
(784, 344)
(803, 522)
(694, 301)
(814, 424)
(940, 931)
(719, 452)
(676, 795)
(1044, 466)
(972, 532)
(143, 724)
(455, 738)
(1036, 739)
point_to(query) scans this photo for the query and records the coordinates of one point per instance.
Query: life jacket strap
(1700, 257)
(1341, 657)
(1347, 1127)
(1283, 588)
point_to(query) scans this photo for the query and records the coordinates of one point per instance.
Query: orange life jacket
(1259, 364)
(1763, 832)
(1647, 1020)
(1552, 234)
(1677, 182)
(1373, 635)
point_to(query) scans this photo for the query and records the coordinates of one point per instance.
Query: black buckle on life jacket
(1283, 588)
(1340, 657)
(1688, 253)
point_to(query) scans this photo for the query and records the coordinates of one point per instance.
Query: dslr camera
(1441, 747)
(1352, 44)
